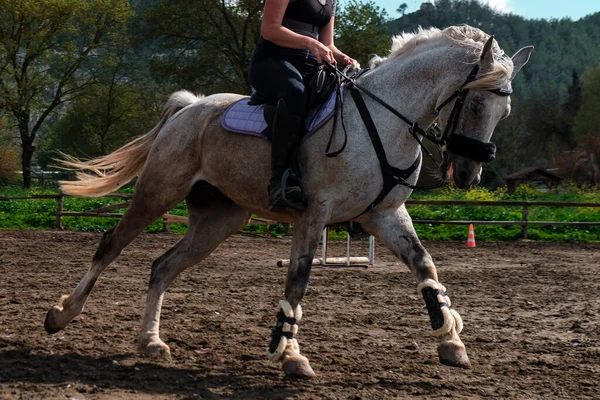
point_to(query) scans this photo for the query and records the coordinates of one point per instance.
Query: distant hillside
(561, 46)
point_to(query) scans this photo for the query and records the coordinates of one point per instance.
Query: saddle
(254, 115)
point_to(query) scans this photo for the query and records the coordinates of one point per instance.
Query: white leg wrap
(430, 283)
(458, 320)
(452, 320)
(284, 343)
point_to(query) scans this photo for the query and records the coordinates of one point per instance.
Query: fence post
(165, 224)
(59, 210)
(524, 219)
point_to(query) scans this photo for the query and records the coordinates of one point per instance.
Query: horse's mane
(464, 36)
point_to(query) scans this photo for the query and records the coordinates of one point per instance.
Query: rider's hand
(321, 52)
(346, 60)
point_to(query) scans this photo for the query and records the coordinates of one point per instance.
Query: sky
(532, 9)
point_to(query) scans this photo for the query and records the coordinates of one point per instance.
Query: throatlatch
(282, 335)
(443, 318)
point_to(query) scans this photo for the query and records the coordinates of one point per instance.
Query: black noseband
(476, 150)
(459, 144)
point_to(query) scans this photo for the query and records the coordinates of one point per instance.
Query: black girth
(392, 176)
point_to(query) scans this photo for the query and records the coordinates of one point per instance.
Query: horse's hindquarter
(194, 147)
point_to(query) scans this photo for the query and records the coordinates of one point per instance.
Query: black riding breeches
(276, 79)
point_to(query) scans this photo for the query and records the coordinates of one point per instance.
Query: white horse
(223, 178)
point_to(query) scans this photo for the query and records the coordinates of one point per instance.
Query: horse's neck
(412, 84)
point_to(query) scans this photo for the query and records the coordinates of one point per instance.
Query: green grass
(566, 193)
(41, 214)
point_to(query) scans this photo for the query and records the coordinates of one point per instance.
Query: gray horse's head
(469, 121)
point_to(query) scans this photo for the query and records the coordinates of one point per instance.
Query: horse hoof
(454, 355)
(156, 349)
(298, 367)
(50, 324)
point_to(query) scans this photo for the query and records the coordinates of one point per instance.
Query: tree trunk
(28, 149)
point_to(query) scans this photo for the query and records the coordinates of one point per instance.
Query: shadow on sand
(22, 365)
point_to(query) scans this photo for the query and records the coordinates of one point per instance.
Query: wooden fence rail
(525, 205)
(104, 212)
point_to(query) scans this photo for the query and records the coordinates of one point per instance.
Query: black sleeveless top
(304, 17)
(315, 12)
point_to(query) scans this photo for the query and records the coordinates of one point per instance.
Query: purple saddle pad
(241, 117)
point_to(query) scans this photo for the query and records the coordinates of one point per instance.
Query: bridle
(460, 144)
(445, 141)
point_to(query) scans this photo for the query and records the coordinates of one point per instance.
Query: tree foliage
(99, 122)
(122, 104)
(361, 30)
(44, 45)
(204, 45)
(587, 119)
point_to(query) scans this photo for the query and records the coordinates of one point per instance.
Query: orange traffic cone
(471, 237)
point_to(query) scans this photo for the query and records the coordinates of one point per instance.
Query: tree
(205, 45)
(120, 106)
(44, 46)
(587, 118)
(402, 9)
(569, 110)
(102, 120)
(361, 30)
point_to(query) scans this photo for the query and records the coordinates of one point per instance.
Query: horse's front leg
(395, 229)
(284, 345)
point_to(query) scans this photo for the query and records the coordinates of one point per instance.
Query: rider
(297, 35)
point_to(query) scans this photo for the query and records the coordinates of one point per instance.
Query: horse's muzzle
(465, 172)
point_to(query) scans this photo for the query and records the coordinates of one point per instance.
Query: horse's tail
(114, 170)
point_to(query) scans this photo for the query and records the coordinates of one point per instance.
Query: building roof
(529, 172)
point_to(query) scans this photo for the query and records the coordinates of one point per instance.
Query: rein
(448, 140)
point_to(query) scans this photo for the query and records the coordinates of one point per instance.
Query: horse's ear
(520, 59)
(486, 60)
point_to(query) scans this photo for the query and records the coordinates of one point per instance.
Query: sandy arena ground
(531, 313)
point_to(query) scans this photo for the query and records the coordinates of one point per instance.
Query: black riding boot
(286, 132)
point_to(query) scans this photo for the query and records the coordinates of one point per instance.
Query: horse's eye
(476, 107)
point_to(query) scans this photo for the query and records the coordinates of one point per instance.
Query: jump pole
(347, 261)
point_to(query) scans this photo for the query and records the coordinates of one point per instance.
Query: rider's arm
(326, 37)
(272, 30)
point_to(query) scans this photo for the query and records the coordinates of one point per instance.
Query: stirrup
(290, 203)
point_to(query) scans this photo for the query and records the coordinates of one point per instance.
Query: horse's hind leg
(146, 207)
(212, 218)
(394, 228)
